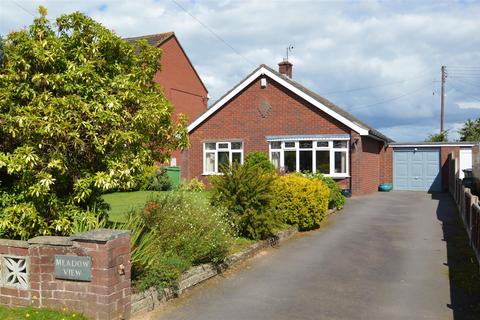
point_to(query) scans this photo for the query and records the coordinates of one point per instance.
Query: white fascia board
(224, 100)
(263, 71)
(430, 145)
(362, 131)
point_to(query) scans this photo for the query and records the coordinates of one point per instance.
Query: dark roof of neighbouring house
(154, 40)
(327, 103)
(158, 39)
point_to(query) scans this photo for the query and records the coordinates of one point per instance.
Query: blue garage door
(417, 170)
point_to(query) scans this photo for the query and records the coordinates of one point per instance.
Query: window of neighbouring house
(216, 154)
(329, 157)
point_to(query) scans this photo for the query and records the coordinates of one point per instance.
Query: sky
(379, 60)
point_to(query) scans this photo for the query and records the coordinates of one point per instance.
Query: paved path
(383, 258)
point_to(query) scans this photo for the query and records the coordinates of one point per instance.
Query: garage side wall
(444, 163)
(367, 159)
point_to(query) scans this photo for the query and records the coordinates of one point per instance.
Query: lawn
(123, 202)
(7, 313)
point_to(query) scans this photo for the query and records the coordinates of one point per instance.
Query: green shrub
(194, 185)
(259, 159)
(170, 234)
(301, 201)
(154, 179)
(246, 193)
(337, 199)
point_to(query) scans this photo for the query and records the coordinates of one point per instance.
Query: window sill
(212, 174)
(343, 176)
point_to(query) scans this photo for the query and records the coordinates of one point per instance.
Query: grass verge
(7, 313)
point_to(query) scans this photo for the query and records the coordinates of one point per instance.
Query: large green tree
(470, 130)
(80, 114)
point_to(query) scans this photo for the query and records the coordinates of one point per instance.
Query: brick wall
(366, 165)
(105, 296)
(241, 118)
(444, 163)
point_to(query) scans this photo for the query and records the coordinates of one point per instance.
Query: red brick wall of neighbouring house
(242, 119)
(180, 82)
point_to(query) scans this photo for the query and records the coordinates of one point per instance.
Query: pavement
(382, 257)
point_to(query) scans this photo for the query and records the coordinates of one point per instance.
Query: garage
(417, 169)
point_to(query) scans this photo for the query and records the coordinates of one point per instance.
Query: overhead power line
(390, 99)
(23, 8)
(374, 86)
(216, 35)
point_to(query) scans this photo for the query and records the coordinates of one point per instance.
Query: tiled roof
(153, 39)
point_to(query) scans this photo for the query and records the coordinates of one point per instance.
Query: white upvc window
(330, 157)
(215, 154)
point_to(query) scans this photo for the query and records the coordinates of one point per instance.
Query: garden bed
(150, 299)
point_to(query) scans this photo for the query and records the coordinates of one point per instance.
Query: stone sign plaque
(73, 268)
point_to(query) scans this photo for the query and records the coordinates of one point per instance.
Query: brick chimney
(285, 67)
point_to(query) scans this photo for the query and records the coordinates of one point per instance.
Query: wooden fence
(467, 204)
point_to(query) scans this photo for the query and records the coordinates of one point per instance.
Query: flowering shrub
(301, 201)
(172, 233)
(194, 185)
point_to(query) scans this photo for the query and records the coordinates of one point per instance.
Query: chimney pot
(285, 67)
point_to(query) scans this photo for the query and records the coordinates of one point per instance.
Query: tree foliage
(438, 137)
(470, 130)
(80, 114)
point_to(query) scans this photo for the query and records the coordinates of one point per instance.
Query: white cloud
(339, 46)
(468, 105)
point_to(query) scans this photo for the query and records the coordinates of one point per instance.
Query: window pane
(341, 162)
(276, 145)
(210, 162)
(290, 161)
(236, 145)
(305, 144)
(223, 158)
(323, 162)
(210, 146)
(236, 157)
(289, 144)
(223, 145)
(306, 161)
(340, 144)
(276, 159)
(322, 144)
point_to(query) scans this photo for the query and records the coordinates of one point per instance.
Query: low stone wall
(152, 298)
(87, 273)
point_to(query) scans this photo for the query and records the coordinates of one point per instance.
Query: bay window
(216, 154)
(329, 157)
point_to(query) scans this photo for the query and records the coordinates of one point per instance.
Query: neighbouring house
(180, 81)
(302, 131)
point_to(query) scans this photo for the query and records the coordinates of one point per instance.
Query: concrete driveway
(383, 257)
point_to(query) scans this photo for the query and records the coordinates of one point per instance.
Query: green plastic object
(385, 187)
(173, 173)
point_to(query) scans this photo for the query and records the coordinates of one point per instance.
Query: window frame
(217, 150)
(330, 148)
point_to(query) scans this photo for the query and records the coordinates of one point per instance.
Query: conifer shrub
(300, 201)
(246, 193)
(260, 159)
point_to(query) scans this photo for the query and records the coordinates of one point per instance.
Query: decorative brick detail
(28, 277)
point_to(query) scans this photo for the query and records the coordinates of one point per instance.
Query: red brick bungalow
(298, 129)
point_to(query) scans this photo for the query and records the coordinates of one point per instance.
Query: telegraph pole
(442, 98)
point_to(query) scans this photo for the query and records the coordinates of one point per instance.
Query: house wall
(367, 170)
(242, 118)
(180, 82)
